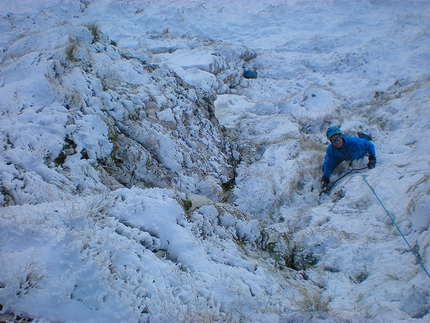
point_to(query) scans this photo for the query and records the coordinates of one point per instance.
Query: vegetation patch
(290, 254)
(71, 50)
(312, 301)
(95, 31)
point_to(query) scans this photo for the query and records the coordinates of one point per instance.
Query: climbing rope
(353, 169)
(398, 229)
(337, 180)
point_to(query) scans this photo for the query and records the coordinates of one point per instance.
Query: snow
(143, 179)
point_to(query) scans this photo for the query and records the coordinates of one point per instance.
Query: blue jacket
(353, 148)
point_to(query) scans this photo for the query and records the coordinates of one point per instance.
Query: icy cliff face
(108, 117)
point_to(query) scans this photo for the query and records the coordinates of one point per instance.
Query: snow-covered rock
(144, 179)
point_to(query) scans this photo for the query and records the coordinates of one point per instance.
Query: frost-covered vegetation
(145, 179)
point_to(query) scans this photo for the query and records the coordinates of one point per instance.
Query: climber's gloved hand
(371, 163)
(324, 184)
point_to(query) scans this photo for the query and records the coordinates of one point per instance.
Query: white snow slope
(143, 179)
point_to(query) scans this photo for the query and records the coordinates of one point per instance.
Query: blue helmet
(333, 131)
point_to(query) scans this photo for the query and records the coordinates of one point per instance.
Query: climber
(345, 148)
